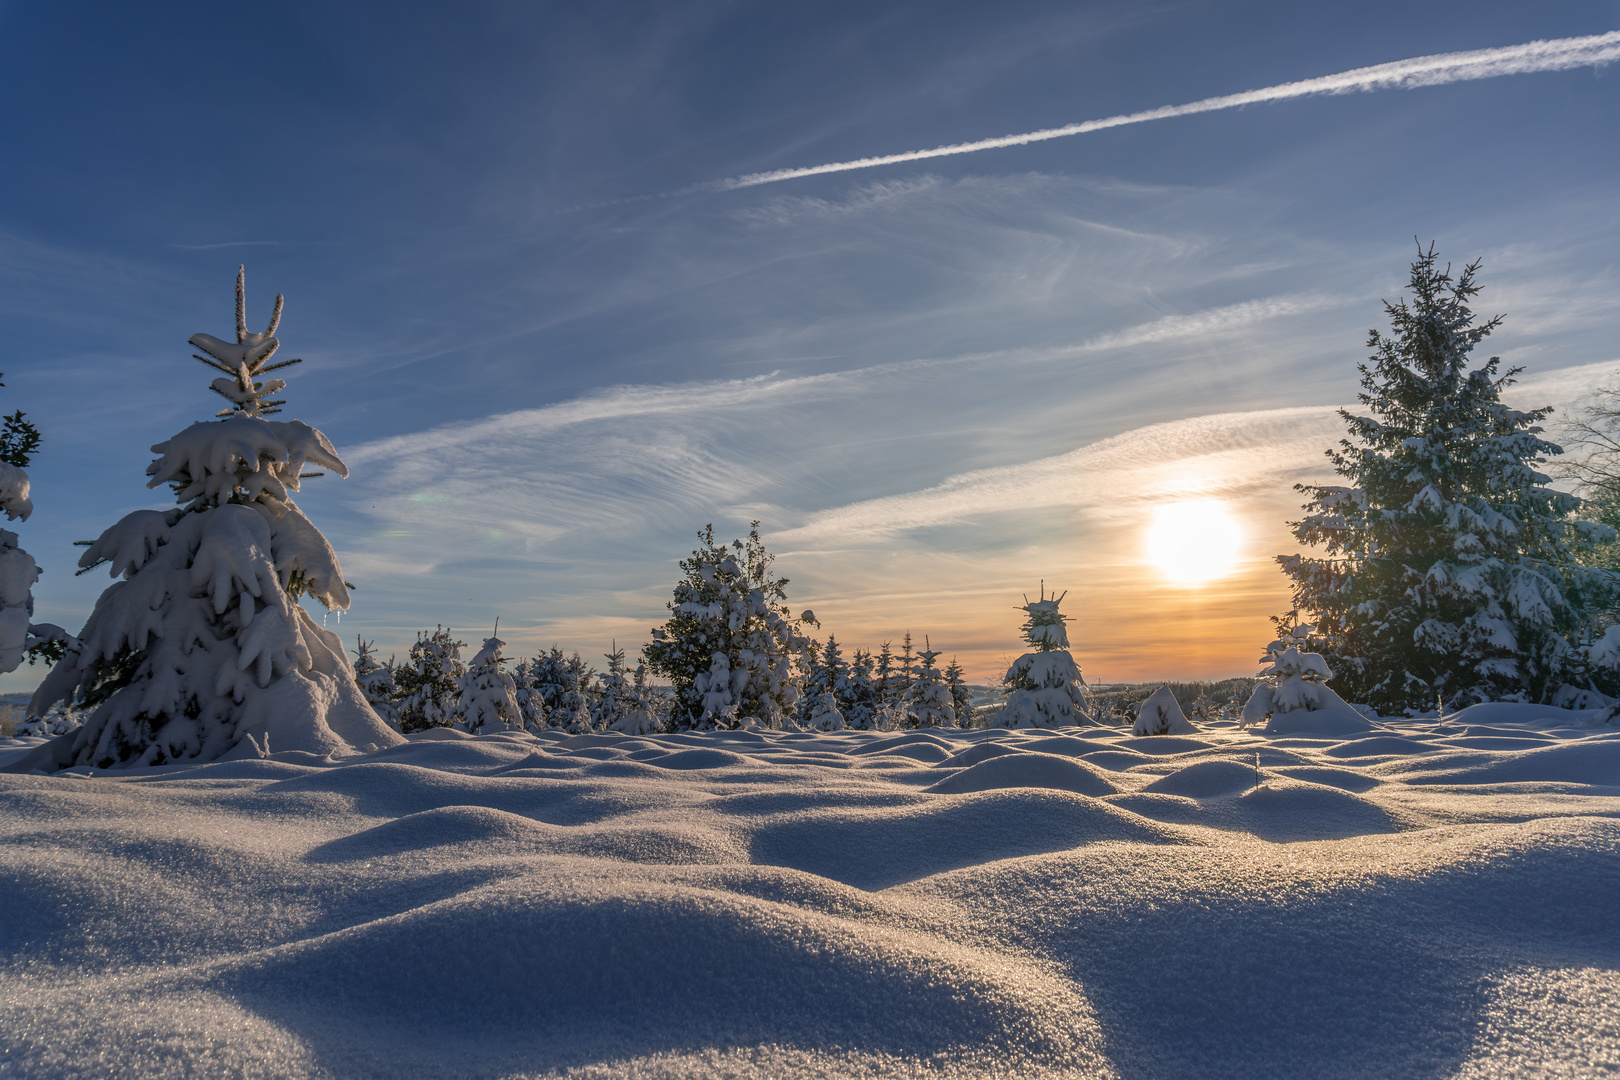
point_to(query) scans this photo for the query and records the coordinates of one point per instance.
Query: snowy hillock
(1423, 901)
(201, 648)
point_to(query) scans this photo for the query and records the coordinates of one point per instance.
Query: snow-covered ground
(1419, 900)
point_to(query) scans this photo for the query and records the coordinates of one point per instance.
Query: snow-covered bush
(202, 648)
(59, 719)
(1044, 687)
(1161, 714)
(731, 648)
(1448, 565)
(825, 715)
(928, 697)
(19, 439)
(429, 681)
(376, 681)
(1291, 693)
(488, 703)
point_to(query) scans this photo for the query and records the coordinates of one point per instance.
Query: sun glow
(1194, 542)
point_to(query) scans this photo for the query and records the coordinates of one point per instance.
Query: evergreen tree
(1044, 687)
(615, 699)
(883, 675)
(563, 683)
(731, 648)
(488, 702)
(829, 674)
(825, 715)
(429, 681)
(928, 696)
(530, 698)
(905, 670)
(376, 681)
(858, 700)
(203, 645)
(1449, 568)
(961, 697)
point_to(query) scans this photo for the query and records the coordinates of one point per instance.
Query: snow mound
(1026, 770)
(1204, 779)
(803, 905)
(1161, 714)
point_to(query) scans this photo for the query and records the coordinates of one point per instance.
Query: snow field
(1418, 899)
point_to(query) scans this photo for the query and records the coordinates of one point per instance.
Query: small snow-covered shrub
(1291, 694)
(1161, 714)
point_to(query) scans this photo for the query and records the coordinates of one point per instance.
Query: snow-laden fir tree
(202, 648)
(961, 696)
(565, 685)
(828, 674)
(429, 681)
(825, 715)
(883, 674)
(530, 698)
(1448, 566)
(928, 696)
(1291, 691)
(642, 714)
(376, 681)
(616, 697)
(859, 700)
(488, 702)
(731, 649)
(905, 670)
(1044, 687)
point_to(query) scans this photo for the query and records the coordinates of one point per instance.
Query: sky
(552, 343)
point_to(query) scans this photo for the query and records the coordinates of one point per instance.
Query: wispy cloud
(1221, 320)
(1562, 54)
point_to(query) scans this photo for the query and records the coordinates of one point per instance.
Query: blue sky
(935, 383)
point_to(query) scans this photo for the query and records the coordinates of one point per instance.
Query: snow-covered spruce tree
(429, 681)
(564, 683)
(731, 649)
(825, 716)
(488, 702)
(884, 675)
(1449, 568)
(615, 698)
(905, 669)
(202, 648)
(1044, 687)
(1291, 693)
(530, 698)
(859, 700)
(928, 696)
(961, 697)
(376, 681)
(828, 673)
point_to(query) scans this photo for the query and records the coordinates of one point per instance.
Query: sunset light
(1194, 542)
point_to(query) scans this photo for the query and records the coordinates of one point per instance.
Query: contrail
(1559, 55)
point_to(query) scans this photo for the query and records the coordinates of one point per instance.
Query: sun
(1194, 542)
